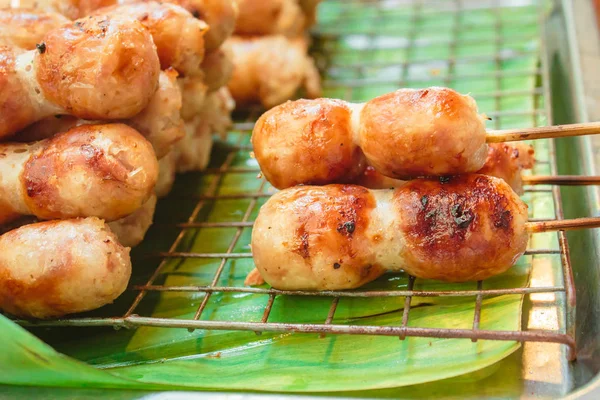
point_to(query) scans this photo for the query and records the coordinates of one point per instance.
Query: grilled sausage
(105, 171)
(220, 15)
(456, 229)
(160, 122)
(26, 28)
(271, 69)
(94, 68)
(54, 268)
(178, 36)
(404, 134)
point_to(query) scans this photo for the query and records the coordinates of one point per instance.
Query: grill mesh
(363, 48)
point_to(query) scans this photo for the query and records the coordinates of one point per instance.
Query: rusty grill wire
(539, 115)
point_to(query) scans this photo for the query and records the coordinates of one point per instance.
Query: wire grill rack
(366, 48)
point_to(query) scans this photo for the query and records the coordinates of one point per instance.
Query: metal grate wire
(360, 77)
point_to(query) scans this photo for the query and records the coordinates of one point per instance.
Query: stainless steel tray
(574, 45)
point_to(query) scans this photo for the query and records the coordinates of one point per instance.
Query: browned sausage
(54, 268)
(105, 171)
(404, 134)
(456, 229)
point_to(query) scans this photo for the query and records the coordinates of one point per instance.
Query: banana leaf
(283, 362)
(166, 358)
(175, 358)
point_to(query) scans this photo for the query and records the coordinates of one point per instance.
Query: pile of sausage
(100, 104)
(269, 47)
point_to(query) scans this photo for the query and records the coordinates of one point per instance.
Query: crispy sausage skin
(317, 238)
(54, 268)
(307, 142)
(504, 160)
(160, 122)
(459, 229)
(99, 67)
(426, 132)
(220, 15)
(269, 17)
(271, 69)
(469, 228)
(105, 171)
(26, 28)
(404, 134)
(132, 229)
(94, 68)
(178, 36)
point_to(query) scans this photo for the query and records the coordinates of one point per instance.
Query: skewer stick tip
(545, 132)
(563, 224)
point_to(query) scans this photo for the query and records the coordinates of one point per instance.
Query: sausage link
(331, 237)
(105, 171)
(94, 68)
(405, 134)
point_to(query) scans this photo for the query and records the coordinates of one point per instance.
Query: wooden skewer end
(545, 132)
(563, 224)
(566, 180)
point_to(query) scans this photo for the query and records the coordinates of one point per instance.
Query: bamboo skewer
(563, 224)
(564, 180)
(545, 132)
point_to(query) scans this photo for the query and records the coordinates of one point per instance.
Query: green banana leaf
(166, 358)
(283, 362)
(26, 360)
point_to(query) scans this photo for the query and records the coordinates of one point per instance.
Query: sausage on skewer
(504, 160)
(25, 28)
(331, 237)
(160, 122)
(178, 36)
(94, 68)
(54, 268)
(105, 171)
(405, 134)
